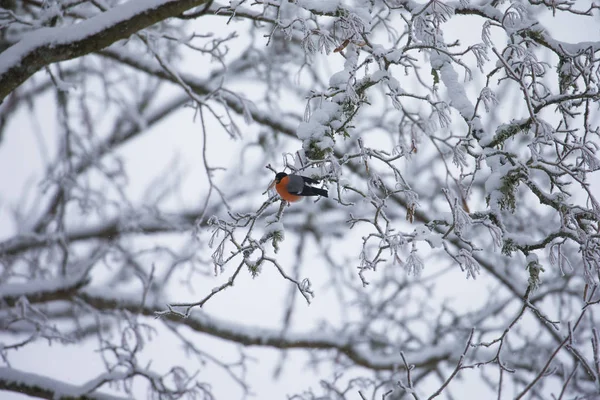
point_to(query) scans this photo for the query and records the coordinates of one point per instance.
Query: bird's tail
(320, 192)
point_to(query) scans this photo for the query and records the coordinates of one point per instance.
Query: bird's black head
(280, 176)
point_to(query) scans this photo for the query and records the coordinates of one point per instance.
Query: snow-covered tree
(458, 253)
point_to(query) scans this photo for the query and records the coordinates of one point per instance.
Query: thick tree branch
(107, 230)
(49, 45)
(43, 387)
(201, 322)
(43, 290)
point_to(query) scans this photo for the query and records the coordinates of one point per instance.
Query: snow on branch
(47, 388)
(123, 224)
(45, 46)
(43, 290)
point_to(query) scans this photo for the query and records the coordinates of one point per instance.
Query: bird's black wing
(310, 181)
(298, 185)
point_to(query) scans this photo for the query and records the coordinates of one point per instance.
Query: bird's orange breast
(281, 188)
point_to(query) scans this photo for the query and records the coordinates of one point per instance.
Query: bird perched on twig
(292, 187)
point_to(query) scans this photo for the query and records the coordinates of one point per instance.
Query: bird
(292, 188)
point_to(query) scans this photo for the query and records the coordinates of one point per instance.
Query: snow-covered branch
(45, 46)
(35, 385)
(201, 322)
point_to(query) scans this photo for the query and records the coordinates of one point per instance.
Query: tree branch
(49, 45)
(46, 388)
(244, 335)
